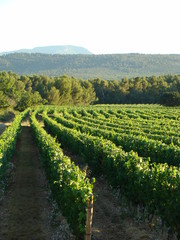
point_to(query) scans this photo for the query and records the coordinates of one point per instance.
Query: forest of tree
(84, 66)
(23, 91)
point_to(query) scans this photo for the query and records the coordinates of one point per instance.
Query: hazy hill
(62, 49)
(86, 66)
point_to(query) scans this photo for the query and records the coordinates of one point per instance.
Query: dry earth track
(26, 211)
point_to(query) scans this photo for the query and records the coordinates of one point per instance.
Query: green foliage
(106, 66)
(53, 96)
(143, 145)
(24, 91)
(3, 100)
(170, 99)
(70, 187)
(7, 115)
(153, 185)
(28, 100)
(8, 141)
(24, 102)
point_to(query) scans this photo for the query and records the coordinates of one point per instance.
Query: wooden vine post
(89, 219)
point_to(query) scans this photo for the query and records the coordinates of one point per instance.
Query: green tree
(24, 102)
(29, 99)
(36, 99)
(170, 99)
(76, 92)
(3, 100)
(89, 95)
(63, 84)
(53, 96)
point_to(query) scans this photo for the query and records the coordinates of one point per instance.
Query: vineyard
(136, 148)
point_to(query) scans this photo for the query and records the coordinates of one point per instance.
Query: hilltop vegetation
(61, 49)
(87, 66)
(20, 92)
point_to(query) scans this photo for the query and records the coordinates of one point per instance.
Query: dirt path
(26, 212)
(108, 222)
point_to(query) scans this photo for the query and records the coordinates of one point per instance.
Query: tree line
(20, 92)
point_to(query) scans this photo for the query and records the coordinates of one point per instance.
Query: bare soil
(27, 211)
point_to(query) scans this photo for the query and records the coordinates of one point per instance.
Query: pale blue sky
(101, 26)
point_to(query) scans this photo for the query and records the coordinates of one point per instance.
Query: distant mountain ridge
(60, 49)
(88, 66)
